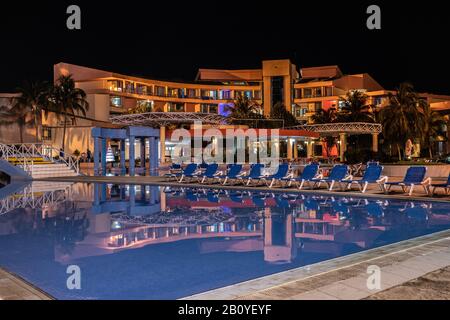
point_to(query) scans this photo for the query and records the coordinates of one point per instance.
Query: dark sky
(171, 41)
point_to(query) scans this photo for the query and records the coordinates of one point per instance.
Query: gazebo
(131, 133)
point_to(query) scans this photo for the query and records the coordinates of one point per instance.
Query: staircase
(39, 160)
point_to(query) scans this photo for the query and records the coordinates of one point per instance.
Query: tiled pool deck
(340, 278)
(14, 288)
(346, 277)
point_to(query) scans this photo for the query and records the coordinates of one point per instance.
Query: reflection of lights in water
(116, 225)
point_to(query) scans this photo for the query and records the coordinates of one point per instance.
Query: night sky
(171, 40)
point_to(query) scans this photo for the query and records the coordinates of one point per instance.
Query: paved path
(345, 278)
(433, 286)
(14, 288)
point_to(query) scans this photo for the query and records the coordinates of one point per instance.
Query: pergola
(162, 119)
(343, 129)
(130, 133)
(327, 129)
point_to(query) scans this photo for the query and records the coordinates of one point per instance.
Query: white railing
(166, 118)
(345, 127)
(24, 154)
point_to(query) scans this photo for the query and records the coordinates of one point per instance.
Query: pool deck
(343, 278)
(15, 288)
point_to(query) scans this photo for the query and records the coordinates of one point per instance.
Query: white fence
(25, 153)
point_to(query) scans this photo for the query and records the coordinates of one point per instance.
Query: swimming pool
(147, 242)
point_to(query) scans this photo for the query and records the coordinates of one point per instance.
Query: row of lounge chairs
(310, 177)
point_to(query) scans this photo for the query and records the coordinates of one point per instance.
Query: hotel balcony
(180, 96)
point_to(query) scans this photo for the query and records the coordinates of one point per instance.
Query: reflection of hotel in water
(126, 217)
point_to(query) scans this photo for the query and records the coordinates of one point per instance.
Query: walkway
(345, 278)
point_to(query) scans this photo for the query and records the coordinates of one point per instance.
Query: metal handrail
(22, 152)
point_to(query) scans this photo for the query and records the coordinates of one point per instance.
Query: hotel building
(303, 91)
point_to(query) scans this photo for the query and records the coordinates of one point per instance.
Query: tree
(280, 112)
(326, 116)
(18, 115)
(244, 108)
(434, 124)
(68, 101)
(143, 107)
(402, 118)
(33, 99)
(355, 108)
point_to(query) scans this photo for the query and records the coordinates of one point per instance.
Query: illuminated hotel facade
(303, 91)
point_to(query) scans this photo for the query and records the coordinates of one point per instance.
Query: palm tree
(144, 107)
(434, 123)
(33, 99)
(68, 101)
(244, 108)
(402, 118)
(326, 116)
(355, 108)
(279, 111)
(18, 115)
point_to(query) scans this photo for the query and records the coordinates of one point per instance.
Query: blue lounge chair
(191, 196)
(259, 200)
(255, 173)
(233, 173)
(175, 167)
(236, 197)
(210, 173)
(281, 175)
(282, 202)
(212, 197)
(309, 172)
(338, 174)
(445, 186)
(371, 175)
(189, 171)
(414, 176)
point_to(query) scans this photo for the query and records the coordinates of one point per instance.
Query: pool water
(149, 242)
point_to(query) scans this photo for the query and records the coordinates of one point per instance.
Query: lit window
(116, 101)
(176, 107)
(115, 85)
(46, 133)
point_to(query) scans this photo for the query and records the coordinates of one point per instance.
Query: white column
(289, 148)
(295, 149)
(162, 143)
(375, 142)
(343, 145)
(309, 149)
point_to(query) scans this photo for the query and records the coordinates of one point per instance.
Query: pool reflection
(252, 233)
